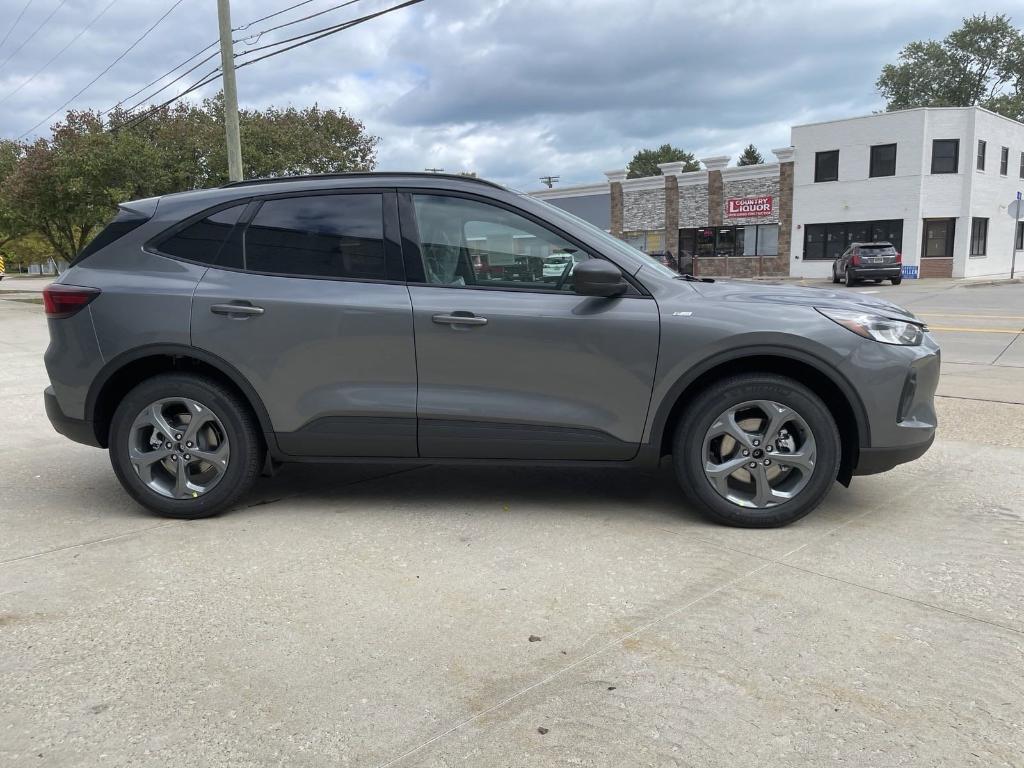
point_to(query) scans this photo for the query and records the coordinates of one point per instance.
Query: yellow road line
(975, 330)
(975, 317)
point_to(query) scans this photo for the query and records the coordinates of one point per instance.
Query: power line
(61, 51)
(165, 74)
(262, 32)
(214, 74)
(201, 52)
(34, 33)
(108, 68)
(25, 8)
(271, 15)
(318, 34)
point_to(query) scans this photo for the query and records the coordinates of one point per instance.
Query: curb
(997, 281)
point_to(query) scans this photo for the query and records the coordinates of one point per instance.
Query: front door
(512, 364)
(314, 314)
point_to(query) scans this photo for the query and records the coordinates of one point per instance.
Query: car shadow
(579, 490)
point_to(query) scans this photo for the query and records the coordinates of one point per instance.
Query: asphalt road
(377, 616)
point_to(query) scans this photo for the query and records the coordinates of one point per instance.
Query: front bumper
(79, 430)
(897, 388)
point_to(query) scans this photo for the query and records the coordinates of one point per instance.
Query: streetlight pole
(227, 64)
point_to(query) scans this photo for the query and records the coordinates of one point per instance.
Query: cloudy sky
(512, 89)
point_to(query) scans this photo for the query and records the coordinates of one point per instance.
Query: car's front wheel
(184, 445)
(757, 451)
(835, 274)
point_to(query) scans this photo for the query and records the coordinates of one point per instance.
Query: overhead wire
(107, 69)
(58, 54)
(313, 36)
(15, 24)
(257, 35)
(171, 71)
(35, 32)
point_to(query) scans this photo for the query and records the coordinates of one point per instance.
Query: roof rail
(361, 174)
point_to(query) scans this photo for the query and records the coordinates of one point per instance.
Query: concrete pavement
(374, 615)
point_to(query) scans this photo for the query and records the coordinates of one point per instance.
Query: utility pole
(549, 180)
(227, 64)
(434, 170)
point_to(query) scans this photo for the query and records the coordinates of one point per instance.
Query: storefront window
(705, 242)
(828, 241)
(725, 241)
(768, 240)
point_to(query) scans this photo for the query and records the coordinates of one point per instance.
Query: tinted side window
(340, 236)
(203, 240)
(467, 243)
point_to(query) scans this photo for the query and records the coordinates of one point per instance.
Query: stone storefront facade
(743, 211)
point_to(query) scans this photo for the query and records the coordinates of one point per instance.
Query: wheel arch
(128, 369)
(839, 395)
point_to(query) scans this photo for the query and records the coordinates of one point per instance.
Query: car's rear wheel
(184, 446)
(897, 280)
(757, 451)
(850, 279)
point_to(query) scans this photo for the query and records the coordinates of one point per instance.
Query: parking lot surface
(441, 616)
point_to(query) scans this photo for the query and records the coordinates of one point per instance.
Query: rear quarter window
(205, 241)
(124, 222)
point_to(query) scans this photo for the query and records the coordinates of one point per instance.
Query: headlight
(887, 330)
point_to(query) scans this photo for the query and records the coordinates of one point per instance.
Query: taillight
(855, 259)
(899, 257)
(65, 300)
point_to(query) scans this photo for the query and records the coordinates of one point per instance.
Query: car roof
(397, 178)
(878, 243)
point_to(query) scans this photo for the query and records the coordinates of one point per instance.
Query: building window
(945, 155)
(826, 166)
(979, 236)
(748, 240)
(1022, 165)
(1004, 161)
(828, 241)
(648, 241)
(1018, 241)
(938, 238)
(883, 160)
(982, 146)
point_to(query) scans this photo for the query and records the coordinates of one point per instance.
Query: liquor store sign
(739, 207)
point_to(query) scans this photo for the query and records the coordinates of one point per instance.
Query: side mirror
(597, 277)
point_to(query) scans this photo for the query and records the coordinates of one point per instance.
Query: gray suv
(206, 337)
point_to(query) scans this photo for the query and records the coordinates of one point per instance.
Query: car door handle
(245, 310)
(459, 318)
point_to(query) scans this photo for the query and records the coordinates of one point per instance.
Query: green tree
(12, 225)
(645, 162)
(981, 63)
(66, 187)
(750, 156)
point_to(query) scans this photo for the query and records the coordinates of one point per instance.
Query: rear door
(512, 364)
(307, 302)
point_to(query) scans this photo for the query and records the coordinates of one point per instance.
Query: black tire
(240, 426)
(897, 280)
(688, 446)
(850, 279)
(835, 275)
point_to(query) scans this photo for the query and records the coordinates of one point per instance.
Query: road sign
(1016, 209)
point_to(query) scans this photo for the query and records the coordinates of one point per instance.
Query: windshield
(612, 242)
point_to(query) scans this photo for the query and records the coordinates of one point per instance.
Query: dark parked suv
(204, 337)
(868, 261)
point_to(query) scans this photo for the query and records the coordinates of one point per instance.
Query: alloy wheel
(759, 454)
(179, 448)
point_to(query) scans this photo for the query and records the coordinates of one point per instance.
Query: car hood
(785, 293)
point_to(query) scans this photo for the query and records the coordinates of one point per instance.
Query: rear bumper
(79, 430)
(867, 273)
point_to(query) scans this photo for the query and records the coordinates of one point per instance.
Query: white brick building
(934, 181)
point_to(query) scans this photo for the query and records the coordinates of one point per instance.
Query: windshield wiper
(692, 279)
